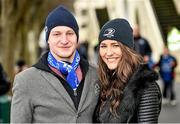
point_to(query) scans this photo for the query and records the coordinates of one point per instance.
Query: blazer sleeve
(21, 111)
(150, 105)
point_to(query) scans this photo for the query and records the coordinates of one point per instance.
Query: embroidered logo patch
(109, 32)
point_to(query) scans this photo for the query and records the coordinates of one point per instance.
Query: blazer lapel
(56, 84)
(85, 100)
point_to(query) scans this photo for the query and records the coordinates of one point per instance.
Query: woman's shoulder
(153, 87)
(144, 75)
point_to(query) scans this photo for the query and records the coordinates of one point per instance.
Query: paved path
(171, 114)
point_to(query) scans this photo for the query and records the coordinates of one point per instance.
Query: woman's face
(110, 53)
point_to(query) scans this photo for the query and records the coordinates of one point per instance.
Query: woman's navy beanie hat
(60, 16)
(117, 29)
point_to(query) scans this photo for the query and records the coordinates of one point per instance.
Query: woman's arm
(150, 104)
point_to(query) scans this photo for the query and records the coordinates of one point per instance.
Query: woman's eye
(115, 46)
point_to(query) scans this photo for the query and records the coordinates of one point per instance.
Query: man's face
(136, 31)
(62, 43)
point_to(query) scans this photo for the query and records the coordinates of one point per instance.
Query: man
(141, 44)
(20, 66)
(167, 64)
(61, 87)
(4, 97)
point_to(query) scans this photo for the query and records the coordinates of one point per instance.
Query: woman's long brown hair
(113, 82)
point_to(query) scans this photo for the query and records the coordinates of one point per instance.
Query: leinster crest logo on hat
(109, 32)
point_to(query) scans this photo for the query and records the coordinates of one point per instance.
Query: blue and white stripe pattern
(67, 69)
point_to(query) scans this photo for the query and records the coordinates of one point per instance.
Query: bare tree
(21, 23)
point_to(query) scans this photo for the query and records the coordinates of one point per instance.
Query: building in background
(92, 14)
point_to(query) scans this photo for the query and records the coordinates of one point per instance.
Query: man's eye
(55, 34)
(70, 33)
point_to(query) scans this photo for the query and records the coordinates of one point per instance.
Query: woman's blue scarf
(67, 69)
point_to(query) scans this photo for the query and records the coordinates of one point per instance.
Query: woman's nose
(109, 51)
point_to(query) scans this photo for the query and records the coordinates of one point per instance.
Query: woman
(129, 92)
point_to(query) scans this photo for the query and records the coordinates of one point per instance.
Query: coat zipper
(75, 98)
(75, 93)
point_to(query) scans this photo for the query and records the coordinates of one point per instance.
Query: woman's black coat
(141, 101)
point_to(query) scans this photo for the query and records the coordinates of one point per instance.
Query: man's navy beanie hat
(60, 16)
(119, 30)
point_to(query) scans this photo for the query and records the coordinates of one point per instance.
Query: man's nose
(63, 39)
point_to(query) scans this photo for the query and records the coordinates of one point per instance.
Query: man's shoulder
(143, 40)
(173, 57)
(29, 72)
(92, 70)
(92, 66)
